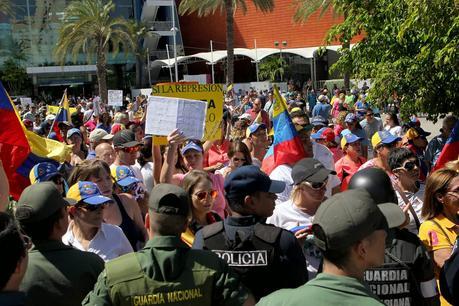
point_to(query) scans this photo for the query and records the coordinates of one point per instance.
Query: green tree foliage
(15, 77)
(410, 48)
(208, 7)
(272, 68)
(88, 28)
(6, 8)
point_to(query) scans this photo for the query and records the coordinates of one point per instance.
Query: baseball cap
(87, 192)
(168, 199)
(124, 176)
(383, 137)
(322, 98)
(39, 201)
(73, 131)
(50, 117)
(98, 135)
(319, 120)
(297, 112)
(324, 133)
(349, 138)
(246, 180)
(125, 139)
(311, 170)
(191, 145)
(415, 132)
(350, 118)
(43, 172)
(350, 216)
(254, 127)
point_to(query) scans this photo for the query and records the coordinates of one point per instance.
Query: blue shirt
(321, 109)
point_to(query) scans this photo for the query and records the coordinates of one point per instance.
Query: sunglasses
(369, 115)
(131, 149)
(235, 159)
(410, 165)
(91, 208)
(204, 194)
(317, 185)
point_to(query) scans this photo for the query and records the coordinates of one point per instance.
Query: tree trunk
(101, 67)
(347, 45)
(229, 41)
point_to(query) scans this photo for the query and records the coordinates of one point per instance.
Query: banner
(115, 97)
(55, 109)
(212, 94)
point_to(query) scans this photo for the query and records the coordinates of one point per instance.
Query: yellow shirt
(436, 237)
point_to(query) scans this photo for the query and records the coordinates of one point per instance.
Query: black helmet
(376, 182)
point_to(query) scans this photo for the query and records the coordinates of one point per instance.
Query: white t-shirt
(396, 130)
(109, 242)
(283, 173)
(287, 216)
(147, 174)
(417, 202)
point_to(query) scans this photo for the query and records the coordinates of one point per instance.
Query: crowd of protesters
(365, 217)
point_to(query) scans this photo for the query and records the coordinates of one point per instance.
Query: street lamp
(174, 35)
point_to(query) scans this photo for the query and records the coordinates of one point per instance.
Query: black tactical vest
(253, 256)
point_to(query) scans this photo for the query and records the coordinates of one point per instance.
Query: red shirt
(264, 117)
(345, 169)
(217, 154)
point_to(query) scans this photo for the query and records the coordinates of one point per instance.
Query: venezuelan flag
(63, 115)
(287, 147)
(451, 149)
(22, 149)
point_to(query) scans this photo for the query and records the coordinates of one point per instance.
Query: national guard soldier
(407, 275)
(350, 230)
(166, 271)
(57, 274)
(267, 257)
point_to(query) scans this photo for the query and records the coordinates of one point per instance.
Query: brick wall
(265, 28)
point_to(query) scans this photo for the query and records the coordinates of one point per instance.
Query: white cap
(50, 117)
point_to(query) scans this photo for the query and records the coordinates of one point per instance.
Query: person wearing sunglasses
(198, 185)
(440, 211)
(410, 191)
(239, 155)
(56, 273)
(44, 172)
(124, 211)
(14, 260)
(383, 142)
(79, 149)
(86, 230)
(257, 142)
(415, 140)
(126, 150)
(352, 159)
(192, 153)
(309, 178)
(371, 125)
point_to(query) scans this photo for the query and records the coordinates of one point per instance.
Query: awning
(254, 54)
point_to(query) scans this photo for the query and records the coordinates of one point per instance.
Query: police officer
(57, 274)
(267, 257)
(350, 230)
(407, 276)
(166, 270)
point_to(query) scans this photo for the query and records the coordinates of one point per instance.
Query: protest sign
(26, 101)
(115, 97)
(166, 114)
(212, 94)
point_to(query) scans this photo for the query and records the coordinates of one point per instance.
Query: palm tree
(305, 8)
(207, 7)
(88, 28)
(272, 67)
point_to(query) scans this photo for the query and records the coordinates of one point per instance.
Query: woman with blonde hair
(441, 212)
(123, 211)
(198, 185)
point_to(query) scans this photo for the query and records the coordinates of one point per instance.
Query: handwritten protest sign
(166, 114)
(115, 97)
(212, 94)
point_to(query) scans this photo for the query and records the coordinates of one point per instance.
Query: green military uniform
(325, 290)
(59, 275)
(167, 271)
